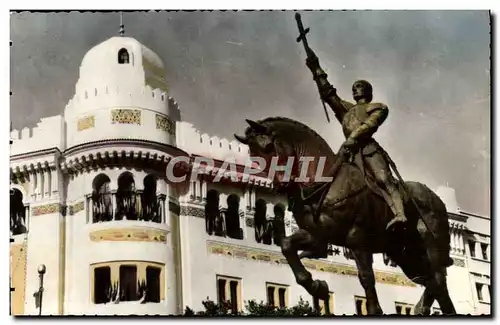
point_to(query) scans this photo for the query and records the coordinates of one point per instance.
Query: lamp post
(41, 272)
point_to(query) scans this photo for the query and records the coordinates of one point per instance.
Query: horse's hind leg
(364, 263)
(303, 240)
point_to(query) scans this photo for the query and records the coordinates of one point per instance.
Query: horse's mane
(304, 140)
(295, 130)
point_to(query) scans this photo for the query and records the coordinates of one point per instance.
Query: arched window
(123, 56)
(233, 217)
(213, 218)
(150, 205)
(101, 199)
(126, 198)
(260, 219)
(17, 213)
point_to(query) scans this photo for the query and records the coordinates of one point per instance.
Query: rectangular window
(128, 283)
(479, 290)
(484, 251)
(277, 295)
(360, 305)
(281, 296)
(472, 248)
(229, 291)
(403, 308)
(102, 284)
(221, 289)
(153, 283)
(270, 295)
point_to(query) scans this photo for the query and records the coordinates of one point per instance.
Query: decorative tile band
(75, 208)
(46, 209)
(163, 123)
(322, 266)
(86, 123)
(126, 116)
(458, 262)
(129, 234)
(192, 211)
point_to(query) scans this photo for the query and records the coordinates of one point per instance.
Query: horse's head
(263, 141)
(281, 139)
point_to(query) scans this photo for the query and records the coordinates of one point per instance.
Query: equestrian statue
(363, 207)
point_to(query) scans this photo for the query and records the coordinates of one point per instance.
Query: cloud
(430, 67)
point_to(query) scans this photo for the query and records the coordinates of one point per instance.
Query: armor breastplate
(353, 119)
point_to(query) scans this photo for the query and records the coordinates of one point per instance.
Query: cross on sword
(302, 38)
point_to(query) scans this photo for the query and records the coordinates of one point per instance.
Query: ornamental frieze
(322, 266)
(192, 211)
(85, 123)
(129, 234)
(164, 124)
(46, 209)
(126, 116)
(458, 262)
(75, 208)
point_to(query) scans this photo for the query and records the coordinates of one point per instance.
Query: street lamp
(38, 295)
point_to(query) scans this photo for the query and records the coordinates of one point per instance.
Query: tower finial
(122, 27)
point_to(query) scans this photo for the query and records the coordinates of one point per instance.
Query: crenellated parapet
(111, 112)
(49, 133)
(193, 141)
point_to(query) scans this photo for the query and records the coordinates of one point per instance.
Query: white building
(90, 201)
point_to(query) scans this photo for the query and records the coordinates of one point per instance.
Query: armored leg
(380, 169)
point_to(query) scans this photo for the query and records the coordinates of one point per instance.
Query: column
(33, 181)
(90, 210)
(46, 185)
(461, 240)
(252, 199)
(54, 177)
(39, 184)
(113, 197)
(454, 239)
(198, 190)
(477, 249)
(192, 194)
(204, 190)
(246, 199)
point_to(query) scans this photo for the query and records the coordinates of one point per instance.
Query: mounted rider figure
(359, 122)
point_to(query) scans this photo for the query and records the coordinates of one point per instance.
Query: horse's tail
(435, 216)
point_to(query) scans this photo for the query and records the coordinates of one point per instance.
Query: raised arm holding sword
(359, 122)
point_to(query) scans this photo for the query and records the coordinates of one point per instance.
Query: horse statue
(347, 211)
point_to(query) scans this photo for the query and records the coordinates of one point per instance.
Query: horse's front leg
(364, 263)
(302, 240)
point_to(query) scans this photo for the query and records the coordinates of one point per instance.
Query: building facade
(91, 202)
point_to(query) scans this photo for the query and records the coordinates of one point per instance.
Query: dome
(121, 93)
(121, 61)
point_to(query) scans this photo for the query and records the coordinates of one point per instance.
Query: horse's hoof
(321, 289)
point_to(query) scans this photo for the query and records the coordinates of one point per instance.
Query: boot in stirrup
(397, 208)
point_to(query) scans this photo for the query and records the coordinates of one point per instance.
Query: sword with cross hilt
(309, 52)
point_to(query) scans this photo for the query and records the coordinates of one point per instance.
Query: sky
(431, 68)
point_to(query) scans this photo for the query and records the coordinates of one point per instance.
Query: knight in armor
(359, 122)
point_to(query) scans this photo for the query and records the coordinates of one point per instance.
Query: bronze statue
(353, 215)
(359, 122)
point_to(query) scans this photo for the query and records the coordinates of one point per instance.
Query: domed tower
(120, 135)
(121, 94)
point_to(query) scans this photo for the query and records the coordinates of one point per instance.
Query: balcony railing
(130, 205)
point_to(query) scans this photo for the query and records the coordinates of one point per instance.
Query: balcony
(126, 205)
